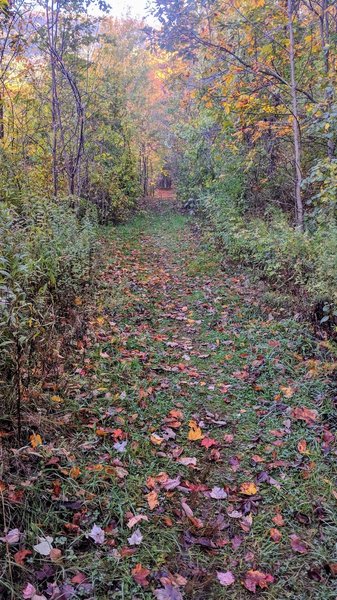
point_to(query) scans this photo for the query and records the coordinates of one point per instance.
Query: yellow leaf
(56, 399)
(288, 391)
(195, 432)
(78, 301)
(156, 440)
(248, 489)
(75, 472)
(35, 440)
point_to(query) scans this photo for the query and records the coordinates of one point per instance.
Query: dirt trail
(198, 445)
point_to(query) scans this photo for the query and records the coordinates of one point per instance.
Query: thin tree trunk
(2, 117)
(325, 41)
(296, 127)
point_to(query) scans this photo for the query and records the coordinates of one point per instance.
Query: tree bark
(296, 127)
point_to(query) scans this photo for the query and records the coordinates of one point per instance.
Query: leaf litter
(195, 443)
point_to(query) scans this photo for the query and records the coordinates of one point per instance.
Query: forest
(168, 300)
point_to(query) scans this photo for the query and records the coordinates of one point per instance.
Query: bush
(46, 251)
(302, 262)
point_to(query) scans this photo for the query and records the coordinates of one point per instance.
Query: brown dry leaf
(304, 414)
(55, 555)
(152, 499)
(156, 439)
(75, 472)
(302, 447)
(275, 534)
(136, 519)
(248, 489)
(254, 579)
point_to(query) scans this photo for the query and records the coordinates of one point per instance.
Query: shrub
(304, 262)
(46, 251)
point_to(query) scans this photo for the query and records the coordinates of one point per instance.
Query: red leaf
(208, 442)
(79, 578)
(278, 520)
(140, 575)
(21, 556)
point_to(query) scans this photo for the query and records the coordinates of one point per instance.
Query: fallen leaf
(120, 446)
(97, 534)
(208, 442)
(57, 399)
(302, 447)
(218, 493)
(11, 537)
(35, 440)
(304, 414)
(248, 489)
(254, 579)
(79, 578)
(140, 575)
(136, 538)
(168, 592)
(136, 519)
(287, 391)
(75, 472)
(297, 544)
(275, 534)
(152, 499)
(226, 579)
(195, 432)
(156, 439)
(28, 592)
(55, 555)
(278, 520)
(21, 556)
(171, 484)
(44, 547)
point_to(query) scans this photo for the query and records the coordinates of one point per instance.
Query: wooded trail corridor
(182, 455)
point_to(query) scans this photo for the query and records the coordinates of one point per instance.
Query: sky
(137, 8)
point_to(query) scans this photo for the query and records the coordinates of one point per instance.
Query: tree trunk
(325, 41)
(2, 117)
(296, 126)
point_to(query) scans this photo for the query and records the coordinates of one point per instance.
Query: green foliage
(322, 180)
(272, 247)
(46, 251)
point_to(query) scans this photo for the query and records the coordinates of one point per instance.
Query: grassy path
(202, 415)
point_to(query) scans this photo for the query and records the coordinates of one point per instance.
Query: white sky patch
(134, 8)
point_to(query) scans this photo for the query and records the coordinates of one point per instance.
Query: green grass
(155, 271)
